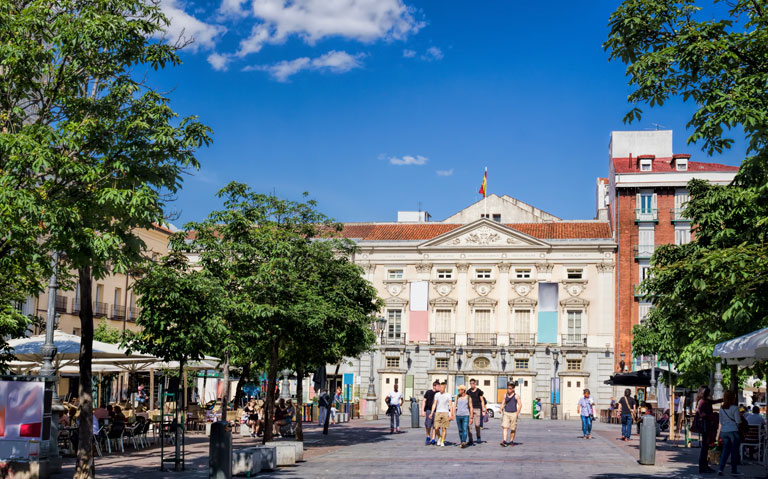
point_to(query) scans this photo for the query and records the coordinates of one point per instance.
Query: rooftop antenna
(658, 126)
(419, 206)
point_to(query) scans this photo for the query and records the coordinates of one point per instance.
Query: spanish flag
(484, 187)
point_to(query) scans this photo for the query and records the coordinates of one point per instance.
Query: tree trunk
(180, 401)
(244, 376)
(225, 387)
(269, 407)
(735, 380)
(85, 467)
(299, 403)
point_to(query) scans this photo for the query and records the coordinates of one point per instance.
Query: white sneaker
(442, 443)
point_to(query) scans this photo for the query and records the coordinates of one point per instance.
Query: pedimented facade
(530, 301)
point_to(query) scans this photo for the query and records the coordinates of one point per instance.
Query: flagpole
(485, 194)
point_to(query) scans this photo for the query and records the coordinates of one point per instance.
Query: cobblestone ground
(543, 449)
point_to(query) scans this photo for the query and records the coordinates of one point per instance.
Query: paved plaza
(366, 449)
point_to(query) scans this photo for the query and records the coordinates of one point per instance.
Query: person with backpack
(395, 402)
(426, 409)
(510, 410)
(628, 407)
(586, 412)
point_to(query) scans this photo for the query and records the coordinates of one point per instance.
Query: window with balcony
(521, 364)
(441, 363)
(682, 236)
(573, 364)
(575, 273)
(393, 362)
(523, 273)
(483, 273)
(643, 310)
(522, 321)
(442, 320)
(574, 322)
(395, 274)
(482, 321)
(394, 322)
(445, 273)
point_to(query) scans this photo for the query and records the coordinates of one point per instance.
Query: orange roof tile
(425, 231)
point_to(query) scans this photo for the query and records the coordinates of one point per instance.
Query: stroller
(663, 424)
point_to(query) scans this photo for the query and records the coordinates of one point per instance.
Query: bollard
(220, 451)
(414, 413)
(648, 440)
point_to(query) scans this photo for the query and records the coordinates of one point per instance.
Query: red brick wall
(627, 269)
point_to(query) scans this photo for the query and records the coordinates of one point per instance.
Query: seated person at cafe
(110, 411)
(755, 418)
(101, 412)
(118, 416)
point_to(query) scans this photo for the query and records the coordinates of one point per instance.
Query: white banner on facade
(419, 295)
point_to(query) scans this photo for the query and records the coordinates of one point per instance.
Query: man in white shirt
(441, 413)
(394, 401)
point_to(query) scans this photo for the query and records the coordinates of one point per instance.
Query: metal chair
(755, 438)
(116, 433)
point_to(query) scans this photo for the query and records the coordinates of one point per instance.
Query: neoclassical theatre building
(498, 292)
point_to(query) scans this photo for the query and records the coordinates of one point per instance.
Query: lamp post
(503, 353)
(652, 389)
(377, 325)
(555, 386)
(48, 352)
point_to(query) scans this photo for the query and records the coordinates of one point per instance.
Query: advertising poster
(21, 410)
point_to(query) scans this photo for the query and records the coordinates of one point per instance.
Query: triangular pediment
(483, 233)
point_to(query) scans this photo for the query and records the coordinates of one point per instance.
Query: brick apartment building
(643, 198)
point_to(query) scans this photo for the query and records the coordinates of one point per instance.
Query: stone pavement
(366, 449)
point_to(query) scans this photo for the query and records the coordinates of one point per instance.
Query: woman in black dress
(253, 416)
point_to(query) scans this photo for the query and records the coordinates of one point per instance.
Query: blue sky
(374, 106)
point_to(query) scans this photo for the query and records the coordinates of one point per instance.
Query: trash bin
(414, 413)
(554, 412)
(220, 451)
(648, 440)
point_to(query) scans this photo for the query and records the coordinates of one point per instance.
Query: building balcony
(646, 215)
(481, 339)
(134, 313)
(100, 310)
(118, 312)
(676, 215)
(392, 340)
(522, 339)
(638, 290)
(61, 304)
(574, 340)
(643, 251)
(448, 339)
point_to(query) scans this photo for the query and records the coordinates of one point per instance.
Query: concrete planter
(285, 452)
(267, 456)
(246, 462)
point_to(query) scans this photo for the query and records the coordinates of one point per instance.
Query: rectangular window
(682, 236)
(643, 310)
(522, 324)
(118, 295)
(681, 198)
(497, 217)
(394, 321)
(484, 273)
(443, 321)
(76, 331)
(482, 321)
(574, 323)
(99, 293)
(573, 273)
(573, 364)
(645, 270)
(645, 165)
(523, 273)
(646, 203)
(521, 364)
(441, 363)
(445, 273)
(393, 362)
(395, 274)
(682, 165)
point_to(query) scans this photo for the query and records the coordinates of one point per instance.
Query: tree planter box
(246, 462)
(285, 452)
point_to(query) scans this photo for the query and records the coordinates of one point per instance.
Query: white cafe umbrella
(68, 348)
(744, 350)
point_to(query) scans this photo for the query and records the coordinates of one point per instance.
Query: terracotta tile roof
(425, 231)
(665, 165)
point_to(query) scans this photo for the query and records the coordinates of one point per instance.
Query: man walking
(441, 413)
(510, 409)
(479, 406)
(426, 410)
(323, 405)
(395, 401)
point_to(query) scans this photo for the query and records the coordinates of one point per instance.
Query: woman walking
(628, 414)
(464, 414)
(730, 418)
(706, 422)
(585, 407)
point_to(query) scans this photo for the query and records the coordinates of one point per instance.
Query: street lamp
(503, 353)
(48, 352)
(377, 326)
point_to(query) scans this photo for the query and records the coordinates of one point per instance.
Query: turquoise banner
(547, 327)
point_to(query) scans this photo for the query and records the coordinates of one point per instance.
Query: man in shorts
(479, 406)
(441, 413)
(426, 410)
(510, 409)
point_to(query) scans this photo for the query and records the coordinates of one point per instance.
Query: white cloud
(313, 20)
(333, 61)
(408, 160)
(432, 53)
(445, 172)
(219, 62)
(409, 53)
(186, 27)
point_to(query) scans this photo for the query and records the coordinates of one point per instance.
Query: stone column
(462, 313)
(501, 318)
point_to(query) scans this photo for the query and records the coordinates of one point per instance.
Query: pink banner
(418, 329)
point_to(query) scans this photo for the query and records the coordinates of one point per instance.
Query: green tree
(180, 318)
(712, 289)
(101, 148)
(107, 334)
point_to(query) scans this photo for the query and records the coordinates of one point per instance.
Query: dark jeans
(707, 437)
(626, 425)
(730, 448)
